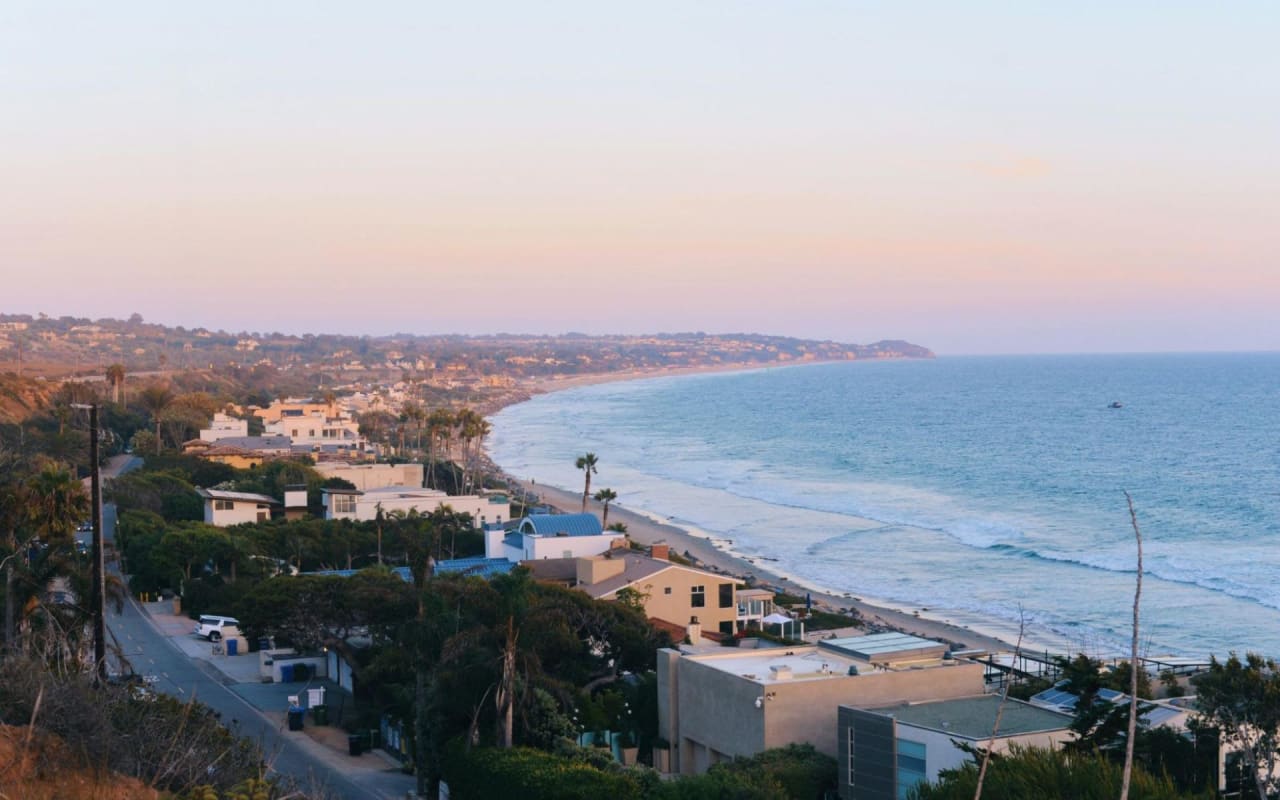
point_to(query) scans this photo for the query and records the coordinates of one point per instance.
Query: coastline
(647, 527)
(646, 530)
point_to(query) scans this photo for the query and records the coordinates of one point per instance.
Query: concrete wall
(717, 712)
(805, 711)
(704, 710)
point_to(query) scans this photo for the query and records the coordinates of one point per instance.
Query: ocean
(982, 490)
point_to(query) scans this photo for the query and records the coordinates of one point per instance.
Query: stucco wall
(677, 607)
(805, 711)
(718, 710)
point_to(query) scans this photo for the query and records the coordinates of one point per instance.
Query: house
(669, 592)
(885, 751)
(364, 505)
(224, 426)
(373, 476)
(223, 508)
(244, 452)
(718, 703)
(545, 536)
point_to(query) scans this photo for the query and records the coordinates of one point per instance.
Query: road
(151, 653)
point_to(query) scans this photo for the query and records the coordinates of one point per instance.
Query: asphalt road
(152, 654)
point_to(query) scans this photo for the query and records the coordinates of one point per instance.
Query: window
(850, 762)
(726, 595)
(223, 505)
(666, 590)
(344, 504)
(698, 596)
(911, 766)
(727, 628)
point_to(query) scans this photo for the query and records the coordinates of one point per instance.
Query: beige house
(718, 703)
(668, 591)
(373, 476)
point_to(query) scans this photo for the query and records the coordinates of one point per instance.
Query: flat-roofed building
(373, 476)
(364, 505)
(885, 751)
(718, 703)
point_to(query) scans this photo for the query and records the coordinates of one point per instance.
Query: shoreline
(646, 527)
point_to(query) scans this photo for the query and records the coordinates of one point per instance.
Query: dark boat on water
(1116, 404)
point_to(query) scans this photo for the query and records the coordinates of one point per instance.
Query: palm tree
(605, 496)
(439, 429)
(115, 374)
(155, 399)
(57, 502)
(586, 463)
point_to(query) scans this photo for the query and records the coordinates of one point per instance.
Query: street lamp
(97, 604)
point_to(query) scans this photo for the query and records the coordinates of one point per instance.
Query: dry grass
(37, 766)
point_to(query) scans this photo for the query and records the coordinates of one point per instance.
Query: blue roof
(402, 573)
(479, 566)
(562, 524)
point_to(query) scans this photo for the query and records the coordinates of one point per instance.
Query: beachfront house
(365, 505)
(546, 536)
(717, 703)
(670, 593)
(885, 751)
(222, 508)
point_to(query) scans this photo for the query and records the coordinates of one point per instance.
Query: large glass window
(911, 766)
(698, 596)
(851, 783)
(726, 595)
(344, 504)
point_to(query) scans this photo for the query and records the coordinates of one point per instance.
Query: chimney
(695, 631)
(661, 552)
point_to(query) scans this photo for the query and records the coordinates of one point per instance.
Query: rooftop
(479, 566)
(887, 647)
(245, 497)
(561, 525)
(636, 568)
(974, 717)
(779, 664)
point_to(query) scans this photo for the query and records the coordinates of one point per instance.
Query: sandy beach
(645, 530)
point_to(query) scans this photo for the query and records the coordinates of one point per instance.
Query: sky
(974, 177)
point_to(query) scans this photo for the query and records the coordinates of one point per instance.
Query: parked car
(214, 628)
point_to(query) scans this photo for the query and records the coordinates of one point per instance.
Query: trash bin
(354, 745)
(321, 715)
(296, 713)
(286, 673)
(232, 647)
(301, 672)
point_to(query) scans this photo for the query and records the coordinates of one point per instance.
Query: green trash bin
(321, 714)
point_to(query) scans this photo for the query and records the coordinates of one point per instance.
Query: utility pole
(97, 603)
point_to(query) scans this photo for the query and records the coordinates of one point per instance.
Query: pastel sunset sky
(975, 177)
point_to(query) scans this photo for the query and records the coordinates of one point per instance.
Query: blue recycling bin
(296, 714)
(286, 673)
(232, 647)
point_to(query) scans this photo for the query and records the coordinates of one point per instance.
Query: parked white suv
(213, 628)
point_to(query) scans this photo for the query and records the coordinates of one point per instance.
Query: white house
(232, 508)
(224, 426)
(542, 536)
(364, 505)
(316, 429)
